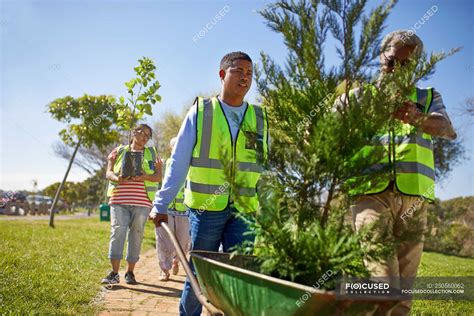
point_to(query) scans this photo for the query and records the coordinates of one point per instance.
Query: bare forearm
(110, 175)
(437, 125)
(156, 177)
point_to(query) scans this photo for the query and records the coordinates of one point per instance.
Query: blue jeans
(125, 219)
(208, 230)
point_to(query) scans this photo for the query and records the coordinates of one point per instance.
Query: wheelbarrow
(232, 285)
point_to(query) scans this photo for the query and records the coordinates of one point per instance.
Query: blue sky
(51, 49)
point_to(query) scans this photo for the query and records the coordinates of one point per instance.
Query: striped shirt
(129, 192)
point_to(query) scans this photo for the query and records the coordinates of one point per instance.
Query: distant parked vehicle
(20, 204)
(14, 203)
(41, 204)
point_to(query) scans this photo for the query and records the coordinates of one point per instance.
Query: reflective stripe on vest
(413, 164)
(148, 164)
(177, 203)
(206, 186)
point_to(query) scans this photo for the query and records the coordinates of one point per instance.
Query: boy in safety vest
(179, 224)
(223, 124)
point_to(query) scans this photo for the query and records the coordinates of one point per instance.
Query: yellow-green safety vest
(177, 203)
(148, 164)
(206, 186)
(411, 162)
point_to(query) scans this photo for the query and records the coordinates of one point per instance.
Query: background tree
(96, 187)
(90, 122)
(73, 193)
(89, 159)
(450, 227)
(166, 128)
(317, 135)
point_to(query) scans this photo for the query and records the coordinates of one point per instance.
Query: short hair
(402, 38)
(140, 126)
(229, 58)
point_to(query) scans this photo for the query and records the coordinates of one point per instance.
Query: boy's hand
(158, 218)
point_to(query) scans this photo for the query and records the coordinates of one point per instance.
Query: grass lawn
(44, 270)
(47, 271)
(435, 264)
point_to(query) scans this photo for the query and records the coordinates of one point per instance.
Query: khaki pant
(402, 218)
(164, 247)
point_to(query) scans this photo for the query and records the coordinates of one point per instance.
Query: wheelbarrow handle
(189, 273)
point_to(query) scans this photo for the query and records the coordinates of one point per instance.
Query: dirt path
(150, 296)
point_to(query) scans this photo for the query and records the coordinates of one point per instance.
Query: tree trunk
(58, 192)
(327, 206)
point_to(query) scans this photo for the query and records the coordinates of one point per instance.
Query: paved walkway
(150, 296)
(44, 217)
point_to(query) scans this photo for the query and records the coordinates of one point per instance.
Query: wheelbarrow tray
(235, 286)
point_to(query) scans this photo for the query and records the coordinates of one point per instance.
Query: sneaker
(130, 278)
(112, 278)
(175, 269)
(164, 275)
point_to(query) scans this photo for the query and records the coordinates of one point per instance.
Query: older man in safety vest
(222, 128)
(397, 204)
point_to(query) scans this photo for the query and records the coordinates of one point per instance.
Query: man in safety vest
(179, 225)
(220, 129)
(397, 204)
